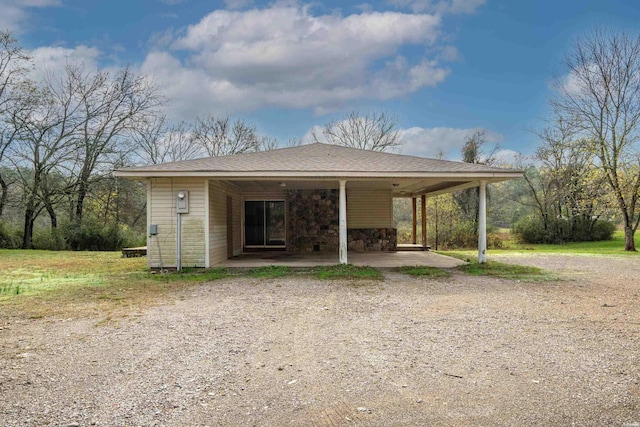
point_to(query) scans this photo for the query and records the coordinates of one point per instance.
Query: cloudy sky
(444, 68)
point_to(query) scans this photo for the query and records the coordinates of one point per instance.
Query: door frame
(244, 224)
(229, 227)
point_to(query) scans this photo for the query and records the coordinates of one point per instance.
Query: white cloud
(14, 14)
(431, 142)
(508, 158)
(53, 60)
(284, 56)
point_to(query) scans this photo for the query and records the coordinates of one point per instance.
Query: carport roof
(321, 161)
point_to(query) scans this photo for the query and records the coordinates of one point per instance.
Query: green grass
(423, 271)
(614, 246)
(37, 284)
(44, 283)
(346, 271)
(606, 247)
(269, 272)
(500, 269)
(507, 271)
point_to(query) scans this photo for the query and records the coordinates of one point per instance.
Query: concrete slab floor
(372, 259)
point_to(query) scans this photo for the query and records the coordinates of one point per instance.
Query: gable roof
(317, 160)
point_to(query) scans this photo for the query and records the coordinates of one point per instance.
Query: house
(304, 199)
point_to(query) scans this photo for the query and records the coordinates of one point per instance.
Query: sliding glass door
(264, 223)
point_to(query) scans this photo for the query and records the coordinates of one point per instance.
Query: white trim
(149, 199)
(343, 222)
(207, 238)
(482, 224)
(453, 188)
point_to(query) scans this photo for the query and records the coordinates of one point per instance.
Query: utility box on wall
(182, 201)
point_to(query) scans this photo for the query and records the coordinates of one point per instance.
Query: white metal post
(179, 242)
(482, 223)
(343, 222)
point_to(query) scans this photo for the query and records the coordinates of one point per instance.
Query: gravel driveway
(405, 351)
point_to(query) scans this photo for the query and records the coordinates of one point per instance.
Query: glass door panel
(254, 223)
(275, 224)
(265, 223)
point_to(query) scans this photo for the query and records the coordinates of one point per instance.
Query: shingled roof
(318, 159)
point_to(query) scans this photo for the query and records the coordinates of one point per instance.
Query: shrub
(51, 240)
(561, 230)
(94, 236)
(10, 237)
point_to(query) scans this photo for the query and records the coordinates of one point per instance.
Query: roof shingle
(317, 157)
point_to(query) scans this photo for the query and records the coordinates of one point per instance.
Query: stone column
(482, 223)
(343, 222)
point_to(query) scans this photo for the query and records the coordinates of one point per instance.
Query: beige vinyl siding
(369, 208)
(218, 192)
(161, 249)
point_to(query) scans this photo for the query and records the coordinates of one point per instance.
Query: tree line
(62, 135)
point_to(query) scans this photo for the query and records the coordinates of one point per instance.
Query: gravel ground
(406, 351)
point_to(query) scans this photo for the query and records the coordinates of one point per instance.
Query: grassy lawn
(424, 271)
(43, 283)
(347, 272)
(66, 284)
(523, 273)
(607, 247)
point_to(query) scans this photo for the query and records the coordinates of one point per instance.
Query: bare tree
(601, 95)
(158, 142)
(44, 123)
(13, 65)
(371, 131)
(268, 143)
(219, 136)
(567, 188)
(293, 141)
(473, 152)
(110, 107)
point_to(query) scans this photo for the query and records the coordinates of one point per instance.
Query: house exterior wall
(218, 193)
(312, 220)
(369, 208)
(161, 198)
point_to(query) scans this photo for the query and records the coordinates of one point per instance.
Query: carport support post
(414, 217)
(423, 199)
(482, 223)
(343, 222)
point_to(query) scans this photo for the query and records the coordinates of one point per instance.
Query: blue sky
(444, 68)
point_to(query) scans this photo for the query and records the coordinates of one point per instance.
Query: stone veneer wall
(312, 225)
(372, 239)
(312, 221)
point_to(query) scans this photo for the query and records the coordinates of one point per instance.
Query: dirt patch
(404, 351)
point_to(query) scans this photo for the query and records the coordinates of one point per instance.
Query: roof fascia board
(449, 189)
(317, 175)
